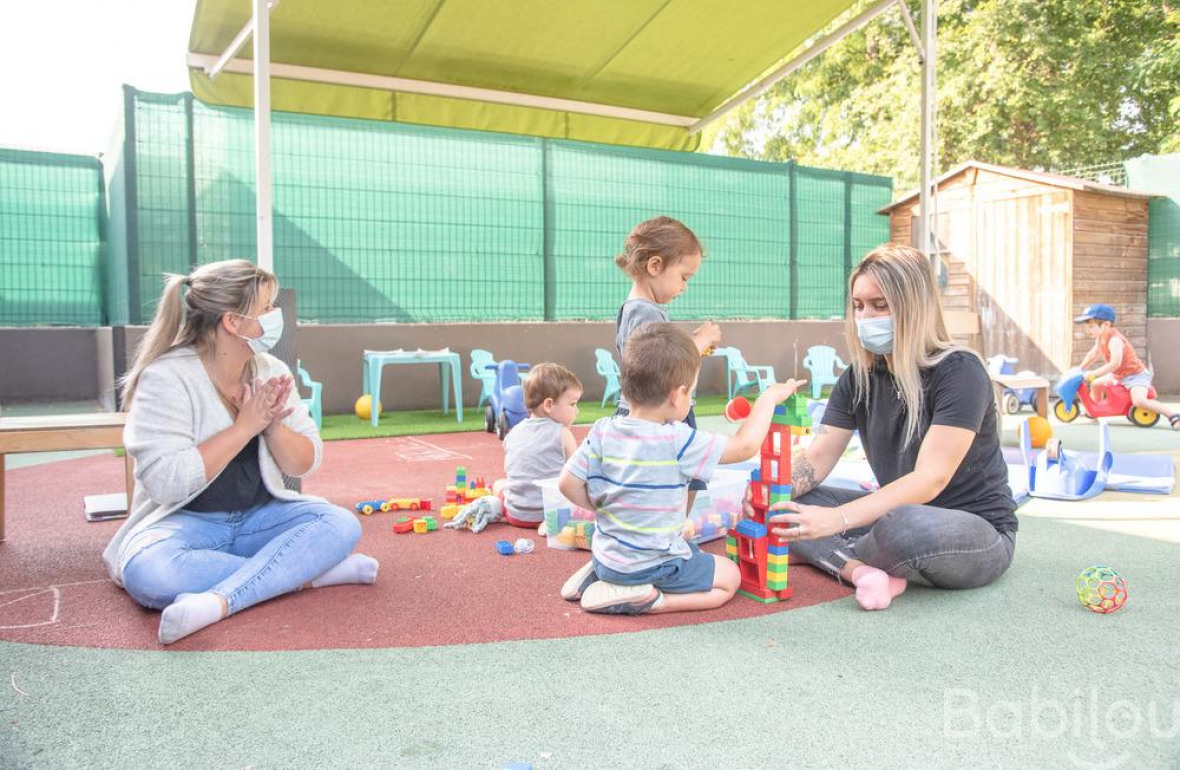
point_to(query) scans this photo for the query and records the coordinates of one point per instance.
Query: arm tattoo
(802, 474)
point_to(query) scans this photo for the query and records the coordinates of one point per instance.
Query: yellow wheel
(367, 509)
(1144, 418)
(386, 507)
(1066, 412)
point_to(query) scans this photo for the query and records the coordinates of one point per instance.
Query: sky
(63, 62)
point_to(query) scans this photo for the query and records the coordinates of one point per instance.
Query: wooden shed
(1026, 251)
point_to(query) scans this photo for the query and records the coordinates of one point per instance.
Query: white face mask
(272, 330)
(876, 334)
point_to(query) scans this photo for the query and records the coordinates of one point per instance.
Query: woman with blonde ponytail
(213, 423)
(925, 410)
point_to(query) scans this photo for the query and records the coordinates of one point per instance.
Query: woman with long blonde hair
(925, 410)
(213, 423)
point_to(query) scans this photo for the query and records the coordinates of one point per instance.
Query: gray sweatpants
(937, 547)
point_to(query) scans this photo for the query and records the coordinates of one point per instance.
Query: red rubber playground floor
(443, 588)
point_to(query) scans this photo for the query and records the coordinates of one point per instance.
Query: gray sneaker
(614, 599)
(578, 582)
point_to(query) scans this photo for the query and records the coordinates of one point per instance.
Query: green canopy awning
(681, 59)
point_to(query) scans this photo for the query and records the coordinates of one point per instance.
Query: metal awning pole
(927, 237)
(262, 178)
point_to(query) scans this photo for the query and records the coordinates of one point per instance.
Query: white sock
(356, 568)
(189, 614)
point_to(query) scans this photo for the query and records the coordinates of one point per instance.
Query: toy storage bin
(715, 510)
(718, 508)
(569, 526)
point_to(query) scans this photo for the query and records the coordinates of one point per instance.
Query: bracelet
(845, 517)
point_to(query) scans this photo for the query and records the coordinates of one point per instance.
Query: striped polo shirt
(637, 475)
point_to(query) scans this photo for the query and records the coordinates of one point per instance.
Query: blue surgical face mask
(876, 334)
(272, 330)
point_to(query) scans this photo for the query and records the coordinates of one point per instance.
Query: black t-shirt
(237, 488)
(957, 392)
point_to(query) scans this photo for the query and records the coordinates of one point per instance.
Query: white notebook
(105, 507)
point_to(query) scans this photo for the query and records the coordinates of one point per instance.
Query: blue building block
(751, 528)
(505, 548)
(780, 489)
(779, 550)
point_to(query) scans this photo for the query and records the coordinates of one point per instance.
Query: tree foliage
(1028, 83)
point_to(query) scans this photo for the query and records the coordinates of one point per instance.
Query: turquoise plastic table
(447, 361)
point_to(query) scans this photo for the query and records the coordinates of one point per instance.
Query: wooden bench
(60, 433)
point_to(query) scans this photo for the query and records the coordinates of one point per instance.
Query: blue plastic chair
(480, 361)
(825, 366)
(609, 369)
(741, 376)
(314, 402)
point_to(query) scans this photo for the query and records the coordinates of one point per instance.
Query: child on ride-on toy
(1122, 364)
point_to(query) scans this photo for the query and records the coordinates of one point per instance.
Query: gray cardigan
(175, 408)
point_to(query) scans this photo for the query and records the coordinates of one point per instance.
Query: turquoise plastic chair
(314, 402)
(741, 376)
(610, 370)
(480, 360)
(821, 360)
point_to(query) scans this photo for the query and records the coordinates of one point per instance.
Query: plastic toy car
(406, 504)
(505, 406)
(1074, 393)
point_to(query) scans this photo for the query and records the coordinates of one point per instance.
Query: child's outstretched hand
(707, 335)
(781, 391)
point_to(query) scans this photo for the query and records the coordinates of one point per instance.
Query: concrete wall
(57, 364)
(62, 364)
(332, 353)
(1164, 353)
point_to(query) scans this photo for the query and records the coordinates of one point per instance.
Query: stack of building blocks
(762, 556)
(462, 492)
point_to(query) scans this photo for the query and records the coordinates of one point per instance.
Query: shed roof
(1040, 177)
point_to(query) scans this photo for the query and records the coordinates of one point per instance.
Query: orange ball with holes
(1039, 431)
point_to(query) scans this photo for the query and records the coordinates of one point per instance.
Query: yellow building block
(420, 526)
(450, 511)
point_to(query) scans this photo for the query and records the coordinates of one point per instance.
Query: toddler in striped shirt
(634, 472)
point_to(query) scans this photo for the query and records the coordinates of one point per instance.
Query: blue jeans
(932, 546)
(245, 556)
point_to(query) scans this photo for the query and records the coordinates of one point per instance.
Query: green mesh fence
(51, 241)
(1160, 174)
(380, 222)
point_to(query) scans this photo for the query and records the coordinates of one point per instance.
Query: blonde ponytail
(161, 335)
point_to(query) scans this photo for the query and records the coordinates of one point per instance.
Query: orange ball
(1039, 431)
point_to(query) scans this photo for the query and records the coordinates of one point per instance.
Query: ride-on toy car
(505, 406)
(1074, 393)
(1012, 400)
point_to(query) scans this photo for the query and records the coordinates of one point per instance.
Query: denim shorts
(1137, 379)
(676, 576)
(690, 419)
